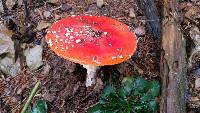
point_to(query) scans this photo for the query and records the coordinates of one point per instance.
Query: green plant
(39, 107)
(133, 96)
(32, 94)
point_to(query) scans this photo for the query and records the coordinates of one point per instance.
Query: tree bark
(173, 61)
(153, 20)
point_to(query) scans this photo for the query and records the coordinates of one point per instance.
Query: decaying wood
(153, 20)
(173, 61)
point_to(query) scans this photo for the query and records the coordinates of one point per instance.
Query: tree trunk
(173, 61)
(153, 20)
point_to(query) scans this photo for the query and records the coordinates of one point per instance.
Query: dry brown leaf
(43, 25)
(193, 10)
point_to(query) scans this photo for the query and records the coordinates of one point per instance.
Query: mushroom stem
(91, 74)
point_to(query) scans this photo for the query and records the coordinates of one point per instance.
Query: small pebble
(131, 13)
(100, 3)
(19, 91)
(140, 31)
(47, 14)
(7, 79)
(34, 57)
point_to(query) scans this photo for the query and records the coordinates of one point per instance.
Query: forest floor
(62, 81)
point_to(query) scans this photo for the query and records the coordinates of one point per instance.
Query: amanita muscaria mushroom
(92, 41)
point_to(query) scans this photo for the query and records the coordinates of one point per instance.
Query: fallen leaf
(4, 30)
(191, 12)
(43, 25)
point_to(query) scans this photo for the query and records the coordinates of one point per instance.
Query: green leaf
(154, 88)
(40, 107)
(146, 97)
(126, 87)
(96, 109)
(140, 83)
(153, 106)
(127, 80)
(27, 111)
(107, 91)
(134, 95)
(112, 111)
(152, 92)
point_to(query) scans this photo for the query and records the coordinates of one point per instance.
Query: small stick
(33, 92)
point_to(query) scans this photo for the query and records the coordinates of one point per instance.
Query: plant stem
(33, 92)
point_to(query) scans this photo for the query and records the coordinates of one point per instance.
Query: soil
(63, 82)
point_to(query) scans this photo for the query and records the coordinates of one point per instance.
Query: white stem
(91, 74)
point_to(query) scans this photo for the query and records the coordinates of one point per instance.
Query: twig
(88, 95)
(4, 97)
(33, 92)
(91, 106)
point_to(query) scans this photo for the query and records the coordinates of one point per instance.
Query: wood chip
(132, 13)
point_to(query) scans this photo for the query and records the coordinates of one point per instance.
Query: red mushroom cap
(92, 40)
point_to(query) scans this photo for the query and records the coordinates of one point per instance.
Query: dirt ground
(63, 82)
